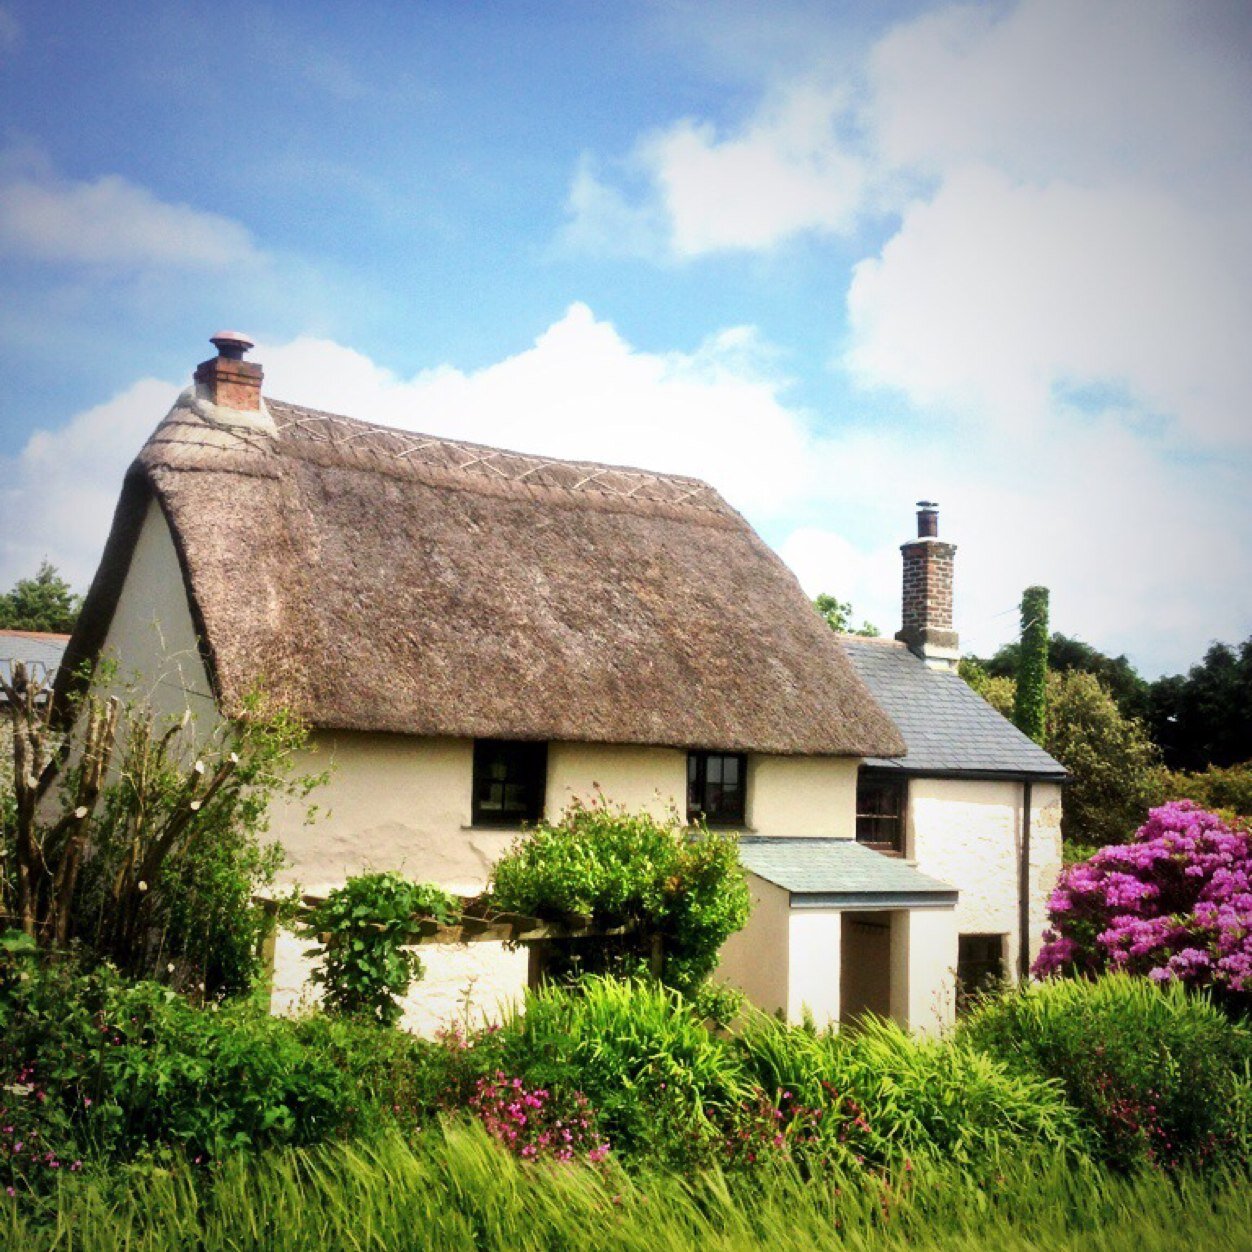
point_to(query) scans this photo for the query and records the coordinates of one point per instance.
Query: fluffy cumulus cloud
(111, 222)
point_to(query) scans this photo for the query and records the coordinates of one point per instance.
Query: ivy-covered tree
(1030, 710)
(45, 602)
(838, 616)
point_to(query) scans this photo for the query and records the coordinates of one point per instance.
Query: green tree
(1114, 767)
(838, 616)
(1205, 717)
(45, 602)
(1030, 710)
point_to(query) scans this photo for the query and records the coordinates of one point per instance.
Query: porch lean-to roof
(841, 874)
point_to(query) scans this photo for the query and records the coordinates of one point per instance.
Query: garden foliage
(1174, 905)
(603, 864)
(1157, 1075)
(363, 928)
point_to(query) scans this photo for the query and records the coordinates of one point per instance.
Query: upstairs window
(880, 811)
(717, 787)
(509, 781)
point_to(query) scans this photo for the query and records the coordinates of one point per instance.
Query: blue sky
(831, 257)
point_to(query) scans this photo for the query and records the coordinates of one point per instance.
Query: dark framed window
(880, 805)
(717, 787)
(980, 965)
(509, 781)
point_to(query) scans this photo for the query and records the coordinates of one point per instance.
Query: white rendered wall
(152, 637)
(756, 958)
(968, 833)
(802, 796)
(814, 960)
(923, 973)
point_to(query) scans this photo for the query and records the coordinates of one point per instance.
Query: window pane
(713, 769)
(730, 769)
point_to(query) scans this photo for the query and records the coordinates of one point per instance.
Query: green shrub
(682, 883)
(888, 1093)
(365, 966)
(660, 1083)
(1157, 1073)
(96, 1067)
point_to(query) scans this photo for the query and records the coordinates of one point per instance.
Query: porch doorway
(865, 967)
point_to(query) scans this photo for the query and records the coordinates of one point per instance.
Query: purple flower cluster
(1174, 904)
(533, 1125)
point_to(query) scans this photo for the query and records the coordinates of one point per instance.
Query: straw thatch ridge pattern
(375, 579)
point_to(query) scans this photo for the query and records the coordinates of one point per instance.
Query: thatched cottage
(476, 636)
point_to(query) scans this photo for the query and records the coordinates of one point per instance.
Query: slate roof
(41, 652)
(840, 873)
(947, 726)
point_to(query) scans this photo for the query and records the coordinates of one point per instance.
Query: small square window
(880, 804)
(509, 782)
(716, 788)
(980, 965)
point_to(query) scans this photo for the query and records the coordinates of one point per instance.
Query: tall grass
(457, 1190)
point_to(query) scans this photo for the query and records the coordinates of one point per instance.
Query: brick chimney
(927, 618)
(227, 380)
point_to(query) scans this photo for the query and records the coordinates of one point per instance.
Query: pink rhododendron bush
(1175, 904)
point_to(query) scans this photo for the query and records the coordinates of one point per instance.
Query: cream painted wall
(649, 779)
(816, 940)
(152, 637)
(968, 833)
(802, 796)
(756, 959)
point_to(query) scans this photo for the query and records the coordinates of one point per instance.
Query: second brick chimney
(231, 385)
(927, 618)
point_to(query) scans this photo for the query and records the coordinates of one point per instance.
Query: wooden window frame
(525, 764)
(871, 821)
(698, 790)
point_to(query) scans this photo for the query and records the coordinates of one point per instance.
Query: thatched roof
(376, 579)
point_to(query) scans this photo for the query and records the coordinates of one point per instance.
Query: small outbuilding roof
(947, 726)
(380, 580)
(40, 651)
(841, 874)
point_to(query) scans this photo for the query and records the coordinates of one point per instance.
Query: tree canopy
(45, 602)
(1205, 717)
(838, 615)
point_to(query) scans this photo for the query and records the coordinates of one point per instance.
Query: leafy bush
(887, 1093)
(365, 966)
(615, 867)
(1228, 790)
(93, 1065)
(1159, 1075)
(660, 1082)
(1175, 905)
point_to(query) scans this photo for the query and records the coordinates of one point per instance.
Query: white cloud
(791, 168)
(57, 496)
(994, 294)
(114, 223)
